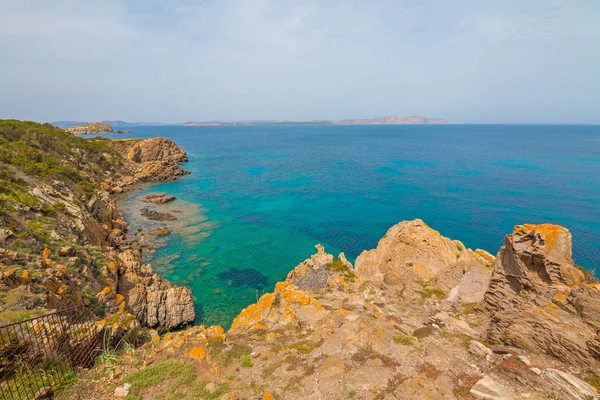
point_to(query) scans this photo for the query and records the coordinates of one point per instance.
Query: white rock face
(570, 385)
(487, 388)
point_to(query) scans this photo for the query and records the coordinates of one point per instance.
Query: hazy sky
(171, 61)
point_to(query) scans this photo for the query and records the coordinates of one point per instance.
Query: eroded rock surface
(420, 317)
(539, 300)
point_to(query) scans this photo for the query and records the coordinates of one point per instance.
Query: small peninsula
(95, 127)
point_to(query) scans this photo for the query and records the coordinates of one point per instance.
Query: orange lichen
(550, 232)
(267, 396)
(198, 352)
(561, 298)
(215, 331)
(46, 254)
(112, 267)
(253, 314)
(25, 277)
(487, 256)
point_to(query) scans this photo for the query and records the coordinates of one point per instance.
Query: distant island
(395, 120)
(96, 127)
(390, 120)
(76, 127)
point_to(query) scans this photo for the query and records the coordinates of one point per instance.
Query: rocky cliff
(420, 316)
(96, 127)
(62, 239)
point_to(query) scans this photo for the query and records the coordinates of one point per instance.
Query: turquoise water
(259, 198)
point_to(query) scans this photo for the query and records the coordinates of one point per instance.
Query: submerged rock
(156, 215)
(158, 198)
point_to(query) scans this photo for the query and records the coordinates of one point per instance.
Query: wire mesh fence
(40, 354)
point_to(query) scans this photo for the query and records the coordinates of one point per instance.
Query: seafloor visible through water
(260, 197)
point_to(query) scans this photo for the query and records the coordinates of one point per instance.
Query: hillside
(62, 240)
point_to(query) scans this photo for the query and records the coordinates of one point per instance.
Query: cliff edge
(421, 316)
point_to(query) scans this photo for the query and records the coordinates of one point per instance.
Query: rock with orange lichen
(198, 352)
(279, 308)
(538, 298)
(411, 253)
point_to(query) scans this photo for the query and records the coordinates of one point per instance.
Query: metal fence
(40, 354)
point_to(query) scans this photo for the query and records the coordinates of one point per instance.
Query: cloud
(251, 59)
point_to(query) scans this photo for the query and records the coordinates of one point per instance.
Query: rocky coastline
(79, 253)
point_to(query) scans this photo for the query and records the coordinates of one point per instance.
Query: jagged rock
(412, 252)
(156, 302)
(312, 273)
(487, 388)
(154, 158)
(569, 385)
(478, 349)
(443, 319)
(533, 280)
(118, 329)
(159, 198)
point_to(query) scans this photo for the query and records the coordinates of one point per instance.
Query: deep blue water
(259, 198)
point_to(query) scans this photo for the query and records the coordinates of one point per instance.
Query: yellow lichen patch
(343, 311)
(293, 295)
(560, 298)
(25, 277)
(198, 352)
(215, 331)
(271, 336)
(550, 232)
(253, 314)
(46, 254)
(112, 267)
(485, 255)
(119, 298)
(106, 291)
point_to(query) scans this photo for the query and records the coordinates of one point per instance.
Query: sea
(259, 198)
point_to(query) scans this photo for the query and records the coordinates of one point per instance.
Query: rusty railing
(40, 354)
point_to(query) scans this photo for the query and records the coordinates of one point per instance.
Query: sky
(472, 61)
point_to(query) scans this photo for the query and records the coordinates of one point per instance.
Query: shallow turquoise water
(259, 198)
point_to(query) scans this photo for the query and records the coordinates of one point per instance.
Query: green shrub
(401, 338)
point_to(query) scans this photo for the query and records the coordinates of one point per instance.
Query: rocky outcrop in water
(158, 198)
(154, 159)
(96, 127)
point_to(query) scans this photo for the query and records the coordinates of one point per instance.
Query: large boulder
(155, 301)
(538, 299)
(411, 254)
(151, 159)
